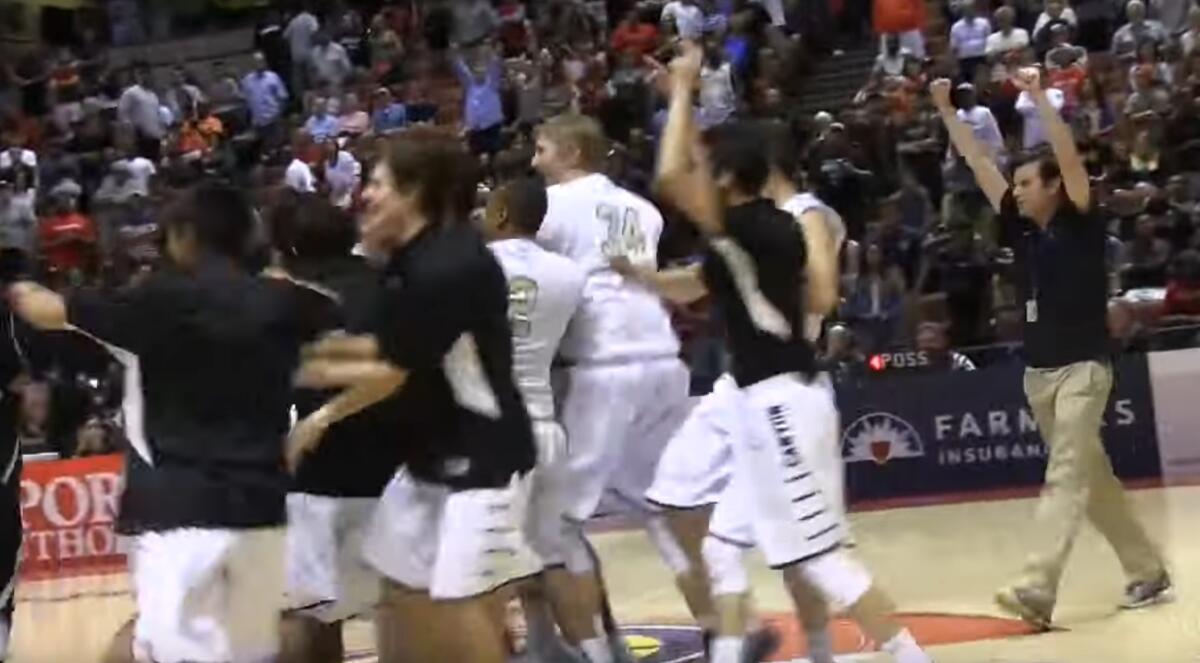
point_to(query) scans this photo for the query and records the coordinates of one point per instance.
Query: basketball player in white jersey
(626, 390)
(775, 500)
(544, 292)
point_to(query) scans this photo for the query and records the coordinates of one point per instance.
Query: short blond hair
(581, 132)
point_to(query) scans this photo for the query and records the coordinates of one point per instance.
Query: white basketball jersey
(591, 220)
(544, 291)
(797, 205)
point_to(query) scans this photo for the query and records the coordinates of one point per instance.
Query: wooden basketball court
(941, 563)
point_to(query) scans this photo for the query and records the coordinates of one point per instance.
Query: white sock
(906, 650)
(820, 646)
(597, 650)
(727, 649)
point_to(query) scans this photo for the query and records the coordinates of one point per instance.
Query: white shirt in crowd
(343, 176)
(983, 125)
(968, 38)
(299, 177)
(1043, 19)
(718, 101)
(544, 291)
(892, 65)
(299, 33)
(998, 42)
(689, 19)
(140, 171)
(12, 156)
(330, 64)
(1035, 133)
(592, 220)
(140, 108)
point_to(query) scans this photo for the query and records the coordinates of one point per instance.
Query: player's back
(591, 220)
(544, 292)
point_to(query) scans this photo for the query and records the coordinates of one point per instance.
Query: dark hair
(441, 171)
(1047, 166)
(306, 226)
(736, 149)
(783, 152)
(218, 214)
(525, 201)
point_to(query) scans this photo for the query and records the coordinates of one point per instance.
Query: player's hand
(685, 68)
(1028, 79)
(304, 438)
(940, 91)
(625, 267)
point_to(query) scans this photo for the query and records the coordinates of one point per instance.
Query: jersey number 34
(623, 231)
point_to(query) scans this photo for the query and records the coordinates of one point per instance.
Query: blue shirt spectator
(481, 95)
(323, 125)
(265, 93)
(389, 114)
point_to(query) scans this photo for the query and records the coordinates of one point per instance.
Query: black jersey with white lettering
(358, 455)
(755, 274)
(444, 318)
(209, 356)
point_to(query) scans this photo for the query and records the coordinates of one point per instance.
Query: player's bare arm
(680, 285)
(1061, 138)
(340, 345)
(39, 306)
(821, 268)
(366, 383)
(683, 178)
(987, 174)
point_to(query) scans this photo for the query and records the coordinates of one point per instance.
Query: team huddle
(452, 402)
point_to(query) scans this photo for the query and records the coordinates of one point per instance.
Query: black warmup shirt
(444, 317)
(759, 265)
(357, 456)
(209, 357)
(1062, 269)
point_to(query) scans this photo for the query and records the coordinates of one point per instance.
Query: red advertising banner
(68, 508)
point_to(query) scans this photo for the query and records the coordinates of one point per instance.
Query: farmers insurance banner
(68, 508)
(924, 434)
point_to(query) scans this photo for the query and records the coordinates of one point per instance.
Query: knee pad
(667, 545)
(842, 579)
(577, 557)
(726, 571)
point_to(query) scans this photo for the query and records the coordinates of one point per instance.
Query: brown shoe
(1032, 606)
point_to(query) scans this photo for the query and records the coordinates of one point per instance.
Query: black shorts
(486, 141)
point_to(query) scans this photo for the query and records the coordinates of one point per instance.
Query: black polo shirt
(1063, 284)
(444, 317)
(357, 456)
(757, 269)
(209, 356)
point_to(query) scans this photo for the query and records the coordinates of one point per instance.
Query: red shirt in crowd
(1070, 81)
(1182, 298)
(66, 240)
(637, 38)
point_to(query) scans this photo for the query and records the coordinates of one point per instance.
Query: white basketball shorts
(545, 527)
(698, 461)
(619, 418)
(327, 577)
(208, 595)
(775, 499)
(452, 544)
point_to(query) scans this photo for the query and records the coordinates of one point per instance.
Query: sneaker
(1030, 605)
(759, 645)
(1141, 593)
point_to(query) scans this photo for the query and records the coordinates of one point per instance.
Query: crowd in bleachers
(89, 150)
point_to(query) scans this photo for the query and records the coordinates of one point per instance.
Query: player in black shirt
(1059, 245)
(448, 531)
(337, 487)
(752, 270)
(210, 349)
(13, 365)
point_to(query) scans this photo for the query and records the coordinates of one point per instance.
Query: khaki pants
(1068, 404)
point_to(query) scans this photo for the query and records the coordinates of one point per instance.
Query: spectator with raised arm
(1059, 243)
